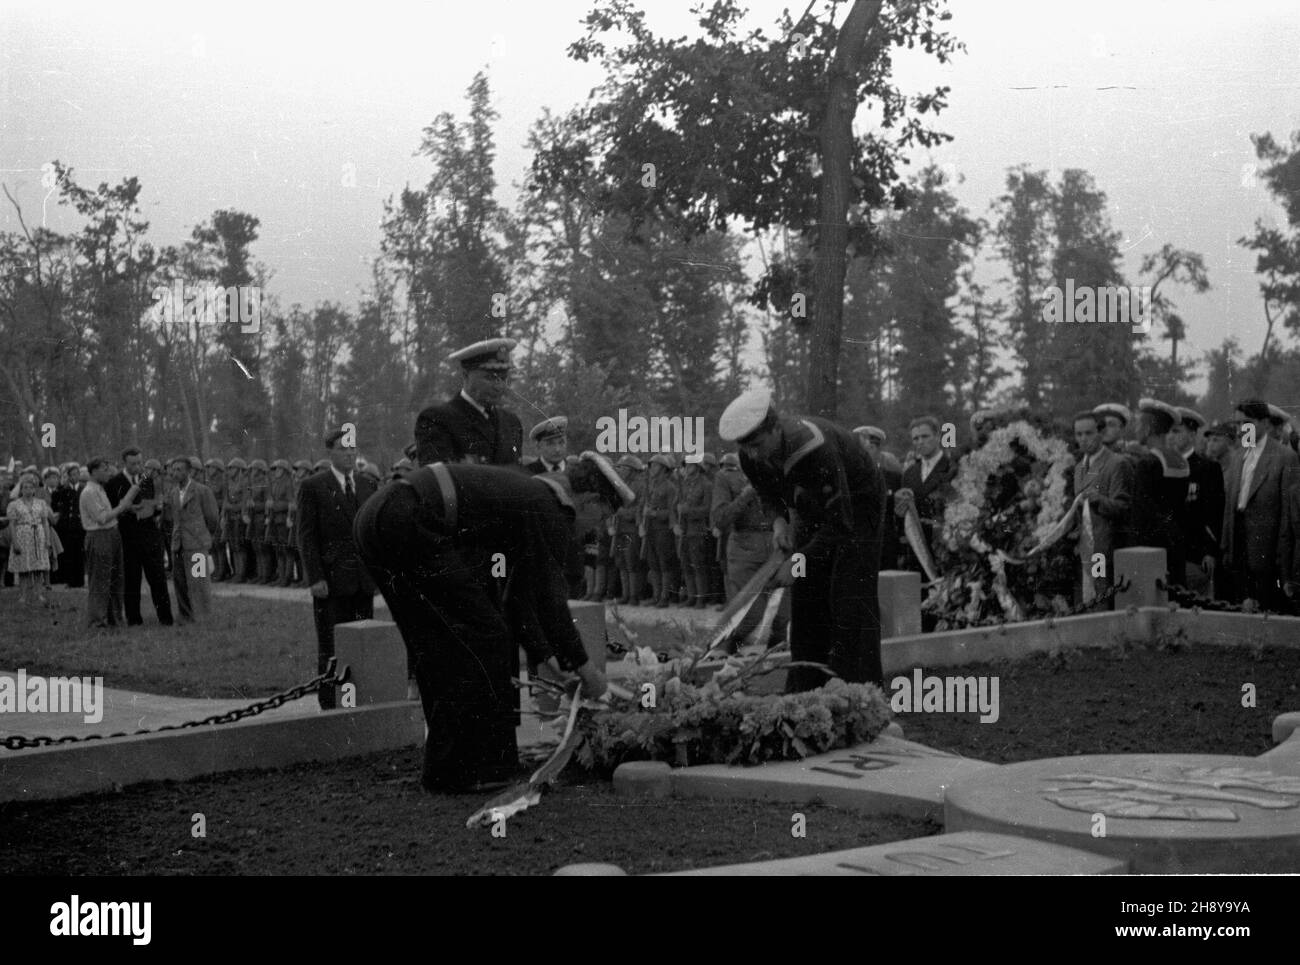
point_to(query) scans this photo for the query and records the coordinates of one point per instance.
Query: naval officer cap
(746, 416)
(1121, 412)
(551, 428)
(1277, 415)
(492, 354)
(1191, 419)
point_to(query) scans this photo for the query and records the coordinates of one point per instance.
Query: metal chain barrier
(17, 742)
(1186, 598)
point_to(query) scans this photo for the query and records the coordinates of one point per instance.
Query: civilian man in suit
(67, 505)
(341, 588)
(472, 426)
(1204, 517)
(1107, 479)
(925, 482)
(142, 543)
(827, 499)
(1259, 497)
(195, 518)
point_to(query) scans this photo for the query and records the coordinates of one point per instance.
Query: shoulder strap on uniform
(435, 480)
(815, 441)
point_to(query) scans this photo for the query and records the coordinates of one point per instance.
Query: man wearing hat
(715, 547)
(233, 530)
(818, 473)
(657, 530)
(690, 523)
(747, 530)
(1115, 420)
(255, 519)
(625, 525)
(550, 436)
(341, 588)
(433, 542)
(1259, 508)
(1161, 480)
(279, 499)
(472, 426)
(196, 518)
(1204, 516)
(301, 470)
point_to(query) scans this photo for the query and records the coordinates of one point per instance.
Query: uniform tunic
(456, 431)
(829, 488)
(463, 627)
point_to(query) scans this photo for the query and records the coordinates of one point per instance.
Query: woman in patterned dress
(29, 556)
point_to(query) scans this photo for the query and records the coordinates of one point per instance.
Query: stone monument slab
(887, 776)
(964, 854)
(1163, 813)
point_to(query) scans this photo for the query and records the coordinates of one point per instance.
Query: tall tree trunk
(833, 231)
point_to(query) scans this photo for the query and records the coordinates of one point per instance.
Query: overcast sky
(259, 107)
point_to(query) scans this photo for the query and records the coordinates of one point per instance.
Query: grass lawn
(246, 648)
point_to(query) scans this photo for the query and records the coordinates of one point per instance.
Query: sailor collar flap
(813, 442)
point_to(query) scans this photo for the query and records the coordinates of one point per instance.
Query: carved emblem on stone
(1177, 792)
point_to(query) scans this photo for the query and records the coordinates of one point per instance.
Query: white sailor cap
(746, 415)
(549, 428)
(1278, 416)
(1191, 418)
(492, 353)
(871, 432)
(1163, 408)
(1115, 409)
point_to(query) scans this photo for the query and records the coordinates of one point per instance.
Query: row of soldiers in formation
(256, 501)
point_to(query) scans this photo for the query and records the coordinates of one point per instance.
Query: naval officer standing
(472, 426)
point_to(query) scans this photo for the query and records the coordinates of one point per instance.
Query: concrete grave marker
(966, 853)
(1164, 813)
(887, 776)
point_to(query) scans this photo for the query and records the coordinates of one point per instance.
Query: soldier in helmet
(690, 525)
(657, 532)
(301, 470)
(279, 501)
(255, 518)
(233, 528)
(215, 471)
(622, 526)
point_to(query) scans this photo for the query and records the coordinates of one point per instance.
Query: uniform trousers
(835, 615)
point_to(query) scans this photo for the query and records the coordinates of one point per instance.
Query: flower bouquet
(997, 548)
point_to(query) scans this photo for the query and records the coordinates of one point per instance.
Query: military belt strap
(435, 481)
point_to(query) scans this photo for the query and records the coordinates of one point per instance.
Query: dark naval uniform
(457, 431)
(431, 540)
(822, 481)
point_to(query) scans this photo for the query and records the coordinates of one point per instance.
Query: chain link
(1190, 600)
(17, 742)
